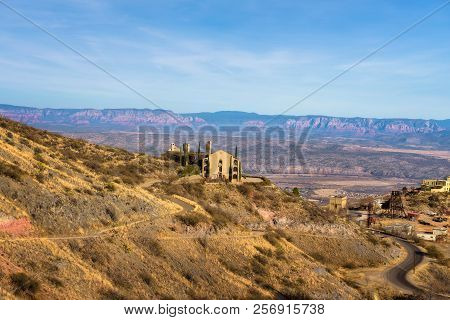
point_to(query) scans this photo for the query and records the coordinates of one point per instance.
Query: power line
(358, 62)
(90, 61)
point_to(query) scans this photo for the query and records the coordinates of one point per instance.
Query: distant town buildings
(399, 229)
(435, 185)
(427, 236)
(440, 231)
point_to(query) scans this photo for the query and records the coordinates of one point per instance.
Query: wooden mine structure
(396, 204)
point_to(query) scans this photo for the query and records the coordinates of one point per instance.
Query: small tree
(296, 192)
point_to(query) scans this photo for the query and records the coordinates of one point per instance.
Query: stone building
(218, 165)
(184, 156)
(435, 185)
(338, 203)
(173, 148)
(221, 165)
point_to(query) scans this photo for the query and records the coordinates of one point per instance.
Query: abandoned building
(217, 165)
(337, 203)
(173, 148)
(436, 185)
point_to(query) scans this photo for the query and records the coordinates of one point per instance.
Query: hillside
(82, 221)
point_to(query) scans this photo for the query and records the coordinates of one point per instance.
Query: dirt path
(104, 232)
(99, 234)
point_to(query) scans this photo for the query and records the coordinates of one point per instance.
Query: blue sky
(255, 56)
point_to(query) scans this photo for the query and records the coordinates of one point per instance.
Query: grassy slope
(121, 232)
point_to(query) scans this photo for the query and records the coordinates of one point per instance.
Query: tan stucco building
(221, 165)
(436, 185)
(173, 148)
(338, 203)
(218, 165)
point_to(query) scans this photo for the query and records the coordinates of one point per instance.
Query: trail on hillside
(186, 206)
(99, 234)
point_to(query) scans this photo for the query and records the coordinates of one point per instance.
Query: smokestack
(186, 147)
(186, 154)
(208, 147)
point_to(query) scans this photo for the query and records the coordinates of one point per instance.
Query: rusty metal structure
(396, 204)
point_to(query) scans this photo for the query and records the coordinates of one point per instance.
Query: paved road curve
(397, 274)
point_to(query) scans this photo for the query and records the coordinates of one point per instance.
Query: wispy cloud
(186, 55)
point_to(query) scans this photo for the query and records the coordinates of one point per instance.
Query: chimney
(186, 147)
(208, 147)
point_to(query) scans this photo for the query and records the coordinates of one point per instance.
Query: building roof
(221, 151)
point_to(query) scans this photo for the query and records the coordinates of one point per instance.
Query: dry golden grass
(109, 224)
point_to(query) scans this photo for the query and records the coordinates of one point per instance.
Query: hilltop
(83, 221)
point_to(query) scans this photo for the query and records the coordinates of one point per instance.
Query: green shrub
(221, 218)
(261, 259)
(113, 213)
(148, 279)
(235, 267)
(272, 237)
(25, 142)
(258, 268)
(40, 176)
(279, 252)
(385, 243)
(195, 190)
(11, 171)
(349, 265)
(372, 239)
(189, 170)
(110, 186)
(246, 190)
(40, 158)
(93, 165)
(264, 251)
(295, 292)
(129, 173)
(283, 234)
(112, 295)
(254, 294)
(191, 219)
(24, 284)
(434, 252)
(319, 257)
(152, 245)
(56, 282)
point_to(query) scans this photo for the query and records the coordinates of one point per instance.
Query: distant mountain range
(126, 119)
